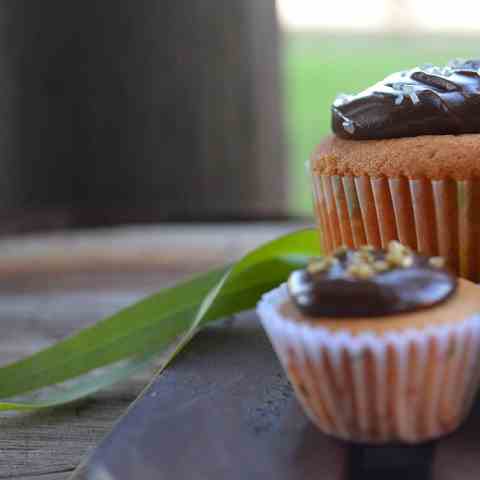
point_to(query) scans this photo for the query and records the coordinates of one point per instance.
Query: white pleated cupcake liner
(435, 217)
(407, 386)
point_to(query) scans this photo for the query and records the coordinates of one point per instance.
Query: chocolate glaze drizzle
(370, 283)
(426, 100)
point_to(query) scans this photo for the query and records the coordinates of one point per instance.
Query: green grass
(317, 67)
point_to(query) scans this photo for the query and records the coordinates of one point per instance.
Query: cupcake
(380, 345)
(403, 163)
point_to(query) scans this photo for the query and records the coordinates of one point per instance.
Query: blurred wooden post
(123, 110)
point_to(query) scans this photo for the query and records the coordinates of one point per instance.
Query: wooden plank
(224, 410)
(52, 285)
(49, 476)
(182, 246)
(55, 441)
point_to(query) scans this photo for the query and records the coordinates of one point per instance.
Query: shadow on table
(456, 457)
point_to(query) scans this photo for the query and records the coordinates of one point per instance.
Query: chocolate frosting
(370, 284)
(426, 100)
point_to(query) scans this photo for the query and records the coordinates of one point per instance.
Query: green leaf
(81, 386)
(143, 330)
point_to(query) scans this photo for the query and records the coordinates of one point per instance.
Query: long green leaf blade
(81, 387)
(154, 323)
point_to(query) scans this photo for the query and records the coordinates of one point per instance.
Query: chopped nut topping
(321, 265)
(381, 266)
(370, 282)
(361, 270)
(398, 259)
(394, 259)
(399, 255)
(363, 256)
(407, 261)
(437, 262)
(396, 246)
(340, 251)
(366, 262)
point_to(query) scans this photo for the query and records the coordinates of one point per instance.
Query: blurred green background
(318, 66)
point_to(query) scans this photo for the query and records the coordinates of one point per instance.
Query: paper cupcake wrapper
(408, 386)
(435, 217)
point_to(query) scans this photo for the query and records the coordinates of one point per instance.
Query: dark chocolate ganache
(426, 100)
(369, 283)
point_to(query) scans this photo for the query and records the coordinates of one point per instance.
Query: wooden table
(52, 285)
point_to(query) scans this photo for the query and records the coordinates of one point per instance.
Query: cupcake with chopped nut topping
(379, 345)
(403, 163)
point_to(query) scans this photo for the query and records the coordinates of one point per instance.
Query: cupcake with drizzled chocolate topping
(379, 345)
(403, 163)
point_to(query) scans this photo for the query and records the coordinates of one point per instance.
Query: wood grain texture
(181, 246)
(51, 285)
(75, 279)
(224, 409)
(174, 114)
(49, 476)
(56, 440)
